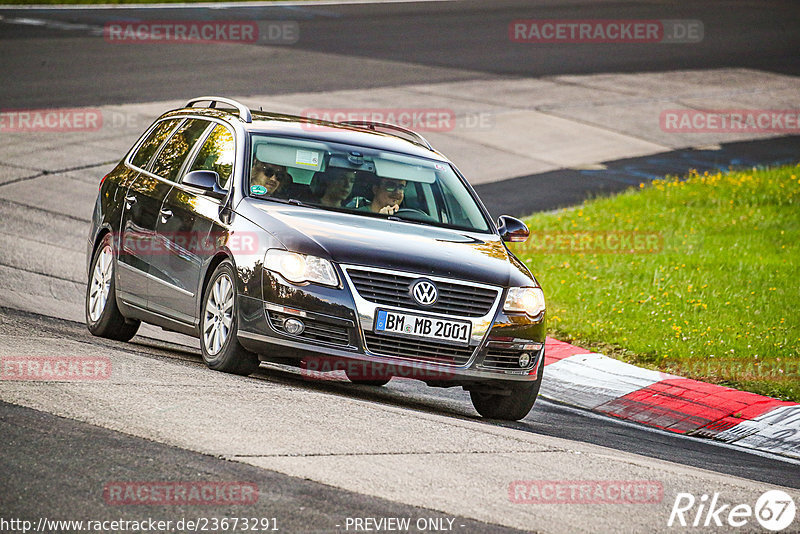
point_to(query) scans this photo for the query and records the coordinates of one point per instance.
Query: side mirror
(207, 181)
(512, 230)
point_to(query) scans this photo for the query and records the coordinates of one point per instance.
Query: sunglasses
(270, 170)
(392, 188)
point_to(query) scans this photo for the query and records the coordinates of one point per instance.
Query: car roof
(390, 137)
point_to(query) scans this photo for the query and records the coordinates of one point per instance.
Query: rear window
(149, 146)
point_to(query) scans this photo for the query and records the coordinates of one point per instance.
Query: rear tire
(219, 325)
(512, 407)
(103, 318)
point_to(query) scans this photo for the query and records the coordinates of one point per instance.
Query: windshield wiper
(290, 201)
(412, 221)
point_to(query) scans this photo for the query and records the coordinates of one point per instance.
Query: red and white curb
(577, 377)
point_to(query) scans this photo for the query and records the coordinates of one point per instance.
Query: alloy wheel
(218, 314)
(101, 284)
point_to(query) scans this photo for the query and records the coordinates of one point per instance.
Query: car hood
(363, 240)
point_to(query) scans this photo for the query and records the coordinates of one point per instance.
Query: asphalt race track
(322, 452)
(375, 45)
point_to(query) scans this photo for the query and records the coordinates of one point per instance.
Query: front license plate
(423, 327)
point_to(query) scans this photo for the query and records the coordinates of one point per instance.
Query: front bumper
(339, 325)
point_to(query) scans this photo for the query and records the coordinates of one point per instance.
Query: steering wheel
(413, 214)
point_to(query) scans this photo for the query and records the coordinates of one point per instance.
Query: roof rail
(372, 125)
(244, 111)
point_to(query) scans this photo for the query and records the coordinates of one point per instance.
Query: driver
(387, 196)
(273, 177)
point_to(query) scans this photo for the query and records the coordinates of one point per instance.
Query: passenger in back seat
(335, 186)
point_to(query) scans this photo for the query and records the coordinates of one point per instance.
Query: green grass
(715, 298)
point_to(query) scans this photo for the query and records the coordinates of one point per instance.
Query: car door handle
(165, 214)
(130, 201)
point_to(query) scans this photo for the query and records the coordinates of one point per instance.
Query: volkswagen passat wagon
(283, 239)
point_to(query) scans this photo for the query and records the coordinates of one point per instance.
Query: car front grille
(393, 289)
(314, 331)
(503, 358)
(412, 349)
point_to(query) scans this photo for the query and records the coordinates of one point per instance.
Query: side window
(169, 160)
(217, 154)
(153, 141)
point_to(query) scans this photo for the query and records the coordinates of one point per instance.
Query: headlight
(525, 299)
(299, 268)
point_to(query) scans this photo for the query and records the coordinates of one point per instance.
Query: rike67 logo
(774, 510)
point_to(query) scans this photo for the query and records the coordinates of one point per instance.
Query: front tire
(219, 325)
(356, 378)
(103, 318)
(511, 407)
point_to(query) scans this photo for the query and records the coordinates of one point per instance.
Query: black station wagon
(284, 239)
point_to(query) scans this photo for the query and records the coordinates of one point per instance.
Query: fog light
(524, 360)
(294, 326)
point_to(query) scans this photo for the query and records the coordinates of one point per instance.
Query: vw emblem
(424, 292)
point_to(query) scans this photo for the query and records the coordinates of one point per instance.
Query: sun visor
(394, 167)
(308, 156)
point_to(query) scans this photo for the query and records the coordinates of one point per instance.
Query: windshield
(361, 180)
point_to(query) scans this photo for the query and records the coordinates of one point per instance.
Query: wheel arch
(98, 238)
